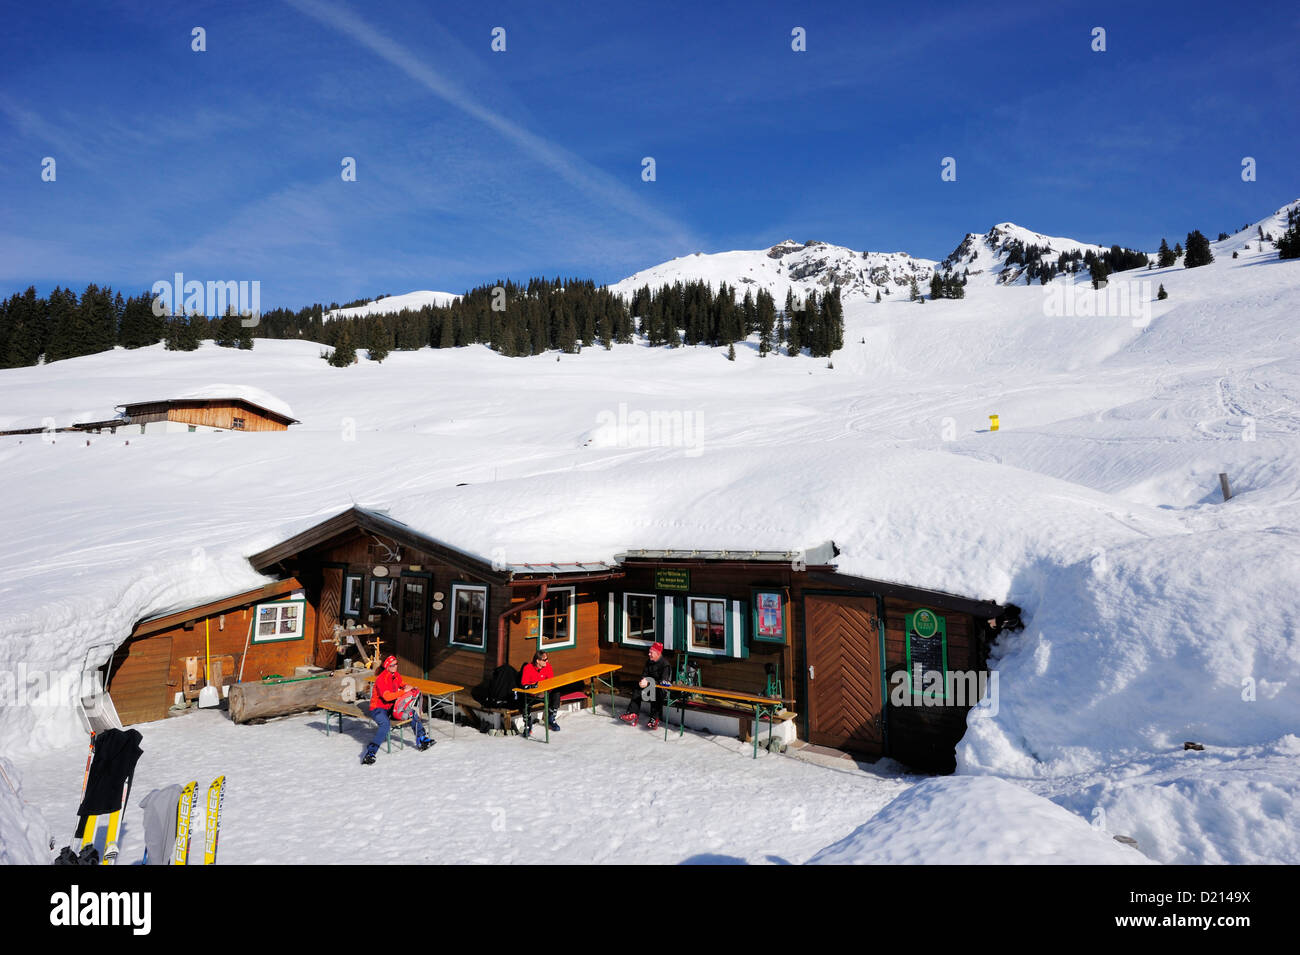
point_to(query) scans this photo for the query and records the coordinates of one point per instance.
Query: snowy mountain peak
(790, 266)
(1002, 255)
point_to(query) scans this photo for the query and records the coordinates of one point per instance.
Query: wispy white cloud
(592, 182)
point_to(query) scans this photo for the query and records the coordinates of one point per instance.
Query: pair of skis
(185, 821)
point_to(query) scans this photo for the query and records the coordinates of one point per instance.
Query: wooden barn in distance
(836, 646)
(218, 413)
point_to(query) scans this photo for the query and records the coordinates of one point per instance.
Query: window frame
(691, 646)
(456, 588)
(571, 639)
(345, 600)
(300, 631)
(627, 620)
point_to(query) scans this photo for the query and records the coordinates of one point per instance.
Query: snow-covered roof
(255, 397)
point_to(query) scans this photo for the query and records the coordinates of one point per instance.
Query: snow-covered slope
(985, 256)
(396, 303)
(1156, 613)
(976, 821)
(790, 265)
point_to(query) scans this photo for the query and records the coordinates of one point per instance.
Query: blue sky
(474, 165)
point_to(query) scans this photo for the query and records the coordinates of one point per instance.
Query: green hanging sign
(927, 650)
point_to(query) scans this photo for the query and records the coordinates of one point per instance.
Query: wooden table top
(572, 676)
(725, 694)
(432, 687)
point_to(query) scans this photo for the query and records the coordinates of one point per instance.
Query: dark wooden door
(845, 708)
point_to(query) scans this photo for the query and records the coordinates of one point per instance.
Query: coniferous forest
(563, 315)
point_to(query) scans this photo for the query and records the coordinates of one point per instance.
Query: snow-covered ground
(396, 303)
(1155, 613)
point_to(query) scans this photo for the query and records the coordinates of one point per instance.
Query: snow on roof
(254, 396)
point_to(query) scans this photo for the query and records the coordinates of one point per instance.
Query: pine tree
(345, 352)
(731, 352)
(1166, 256)
(1161, 294)
(377, 339)
(227, 331)
(1198, 251)
(914, 293)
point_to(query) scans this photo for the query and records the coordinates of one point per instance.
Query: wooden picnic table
(769, 705)
(437, 695)
(589, 674)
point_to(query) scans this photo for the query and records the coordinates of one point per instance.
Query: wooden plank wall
(149, 670)
(222, 415)
(925, 737)
(724, 673)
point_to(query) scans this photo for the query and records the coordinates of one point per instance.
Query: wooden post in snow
(1223, 483)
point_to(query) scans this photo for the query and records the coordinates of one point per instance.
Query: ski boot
(423, 743)
(369, 758)
(629, 719)
(652, 724)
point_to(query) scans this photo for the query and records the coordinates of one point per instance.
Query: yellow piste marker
(993, 422)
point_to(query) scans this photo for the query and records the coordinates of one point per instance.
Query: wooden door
(327, 615)
(137, 679)
(845, 709)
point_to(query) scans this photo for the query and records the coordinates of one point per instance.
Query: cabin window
(381, 595)
(707, 631)
(237, 424)
(278, 621)
(469, 616)
(557, 626)
(193, 428)
(352, 592)
(639, 619)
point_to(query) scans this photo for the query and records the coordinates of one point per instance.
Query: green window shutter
(734, 628)
(616, 618)
(679, 623)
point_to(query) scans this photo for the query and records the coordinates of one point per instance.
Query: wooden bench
(340, 709)
(744, 706)
(590, 674)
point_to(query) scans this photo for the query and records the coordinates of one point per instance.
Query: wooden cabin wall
(522, 635)
(418, 653)
(926, 737)
(148, 671)
(723, 673)
(222, 416)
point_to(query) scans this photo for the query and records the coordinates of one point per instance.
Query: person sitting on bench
(535, 672)
(657, 672)
(389, 688)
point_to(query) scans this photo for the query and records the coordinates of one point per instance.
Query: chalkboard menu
(927, 650)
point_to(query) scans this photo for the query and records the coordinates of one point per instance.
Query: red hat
(389, 659)
(657, 646)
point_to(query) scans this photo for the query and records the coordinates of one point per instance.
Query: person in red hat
(656, 673)
(389, 688)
